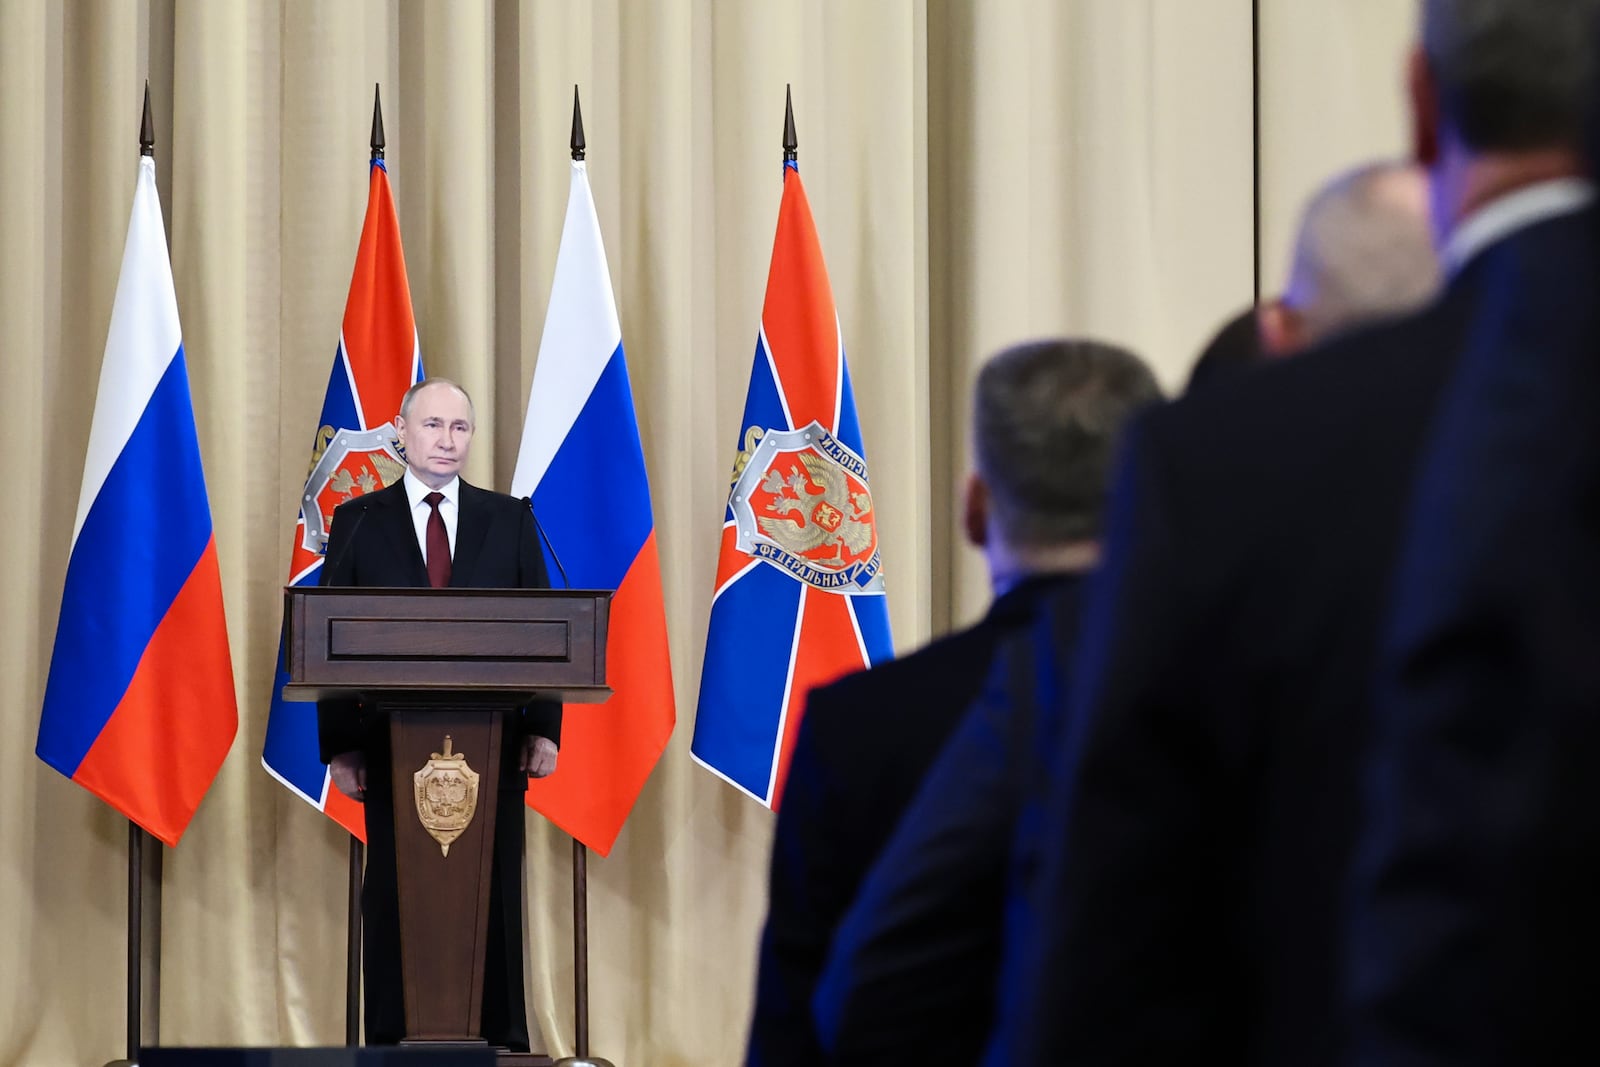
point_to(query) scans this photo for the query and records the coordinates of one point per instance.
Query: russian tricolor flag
(799, 598)
(139, 708)
(582, 463)
(377, 360)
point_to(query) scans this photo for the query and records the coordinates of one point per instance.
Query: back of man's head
(1511, 75)
(1045, 421)
(1364, 251)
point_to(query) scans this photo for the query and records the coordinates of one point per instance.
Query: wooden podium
(447, 665)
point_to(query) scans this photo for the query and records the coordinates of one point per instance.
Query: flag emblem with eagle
(801, 502)
(346, 464)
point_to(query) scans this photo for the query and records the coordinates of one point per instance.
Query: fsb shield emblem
(346, 464)
(800, 501)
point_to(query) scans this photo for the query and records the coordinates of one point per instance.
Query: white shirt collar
(416, 489)
(1505, 215)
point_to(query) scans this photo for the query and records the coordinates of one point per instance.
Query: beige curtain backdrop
(981, 171)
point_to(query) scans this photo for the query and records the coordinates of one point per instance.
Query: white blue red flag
(799, 598)
(139, 708)
(354, 452)
(582, 463)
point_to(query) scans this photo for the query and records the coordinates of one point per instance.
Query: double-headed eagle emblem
(345, 464)
(446, 792)
(808, 519)
(800, 501)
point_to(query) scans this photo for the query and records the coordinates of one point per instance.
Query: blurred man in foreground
(1045, 416)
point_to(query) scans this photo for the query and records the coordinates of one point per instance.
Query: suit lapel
(394, 510)
(472, 526)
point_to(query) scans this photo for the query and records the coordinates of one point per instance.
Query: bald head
(1364, 252)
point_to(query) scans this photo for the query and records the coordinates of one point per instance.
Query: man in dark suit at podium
(1045, 417)
(433, 529)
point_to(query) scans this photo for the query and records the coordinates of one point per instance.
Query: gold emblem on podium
(447, 795)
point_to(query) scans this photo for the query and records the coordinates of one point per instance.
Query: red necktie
(438, 545)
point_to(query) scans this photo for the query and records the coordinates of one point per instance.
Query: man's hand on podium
(538, 756)
(350, 775)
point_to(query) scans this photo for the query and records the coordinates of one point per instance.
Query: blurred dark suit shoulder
(864, 745)
(1474, 932)
(913, 971)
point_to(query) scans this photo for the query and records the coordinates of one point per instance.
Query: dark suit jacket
(1207, 787)
(864, 745)
(1475, 931)
(911, 976)
(373, 542)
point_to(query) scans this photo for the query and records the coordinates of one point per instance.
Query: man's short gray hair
(411, 394)
(1512, 75)
(1364, 250)
(1046, 416)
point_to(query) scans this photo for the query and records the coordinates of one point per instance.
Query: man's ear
(1423, 92)
(1279, 328)
(975, 510)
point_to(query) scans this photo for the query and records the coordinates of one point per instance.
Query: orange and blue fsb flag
(354, 452)
(799, 597)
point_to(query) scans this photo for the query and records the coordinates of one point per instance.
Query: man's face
(437, 435)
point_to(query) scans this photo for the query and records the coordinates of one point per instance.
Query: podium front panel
(549, 642)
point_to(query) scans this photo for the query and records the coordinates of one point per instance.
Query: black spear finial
(577, 126)
(377, 123)
(147, 126)
(790, 144)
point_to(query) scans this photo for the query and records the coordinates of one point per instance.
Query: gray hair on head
(411, 394)
(1046, 417)
(1512, 75)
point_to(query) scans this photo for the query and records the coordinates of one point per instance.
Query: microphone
(327, 568)
(528, 500)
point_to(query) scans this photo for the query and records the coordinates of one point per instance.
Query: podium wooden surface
(445, 663)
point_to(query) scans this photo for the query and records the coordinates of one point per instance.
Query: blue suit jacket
(865, 743)
(912, 974)
(1475, 931)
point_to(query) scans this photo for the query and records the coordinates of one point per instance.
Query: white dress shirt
(1517, 210)
(416, 490)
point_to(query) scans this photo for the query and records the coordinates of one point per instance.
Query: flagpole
(138, 840)
(791, 144)
(352, 962)
(136, 834)
(148, 844)
(580, 957)
(580, 853)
